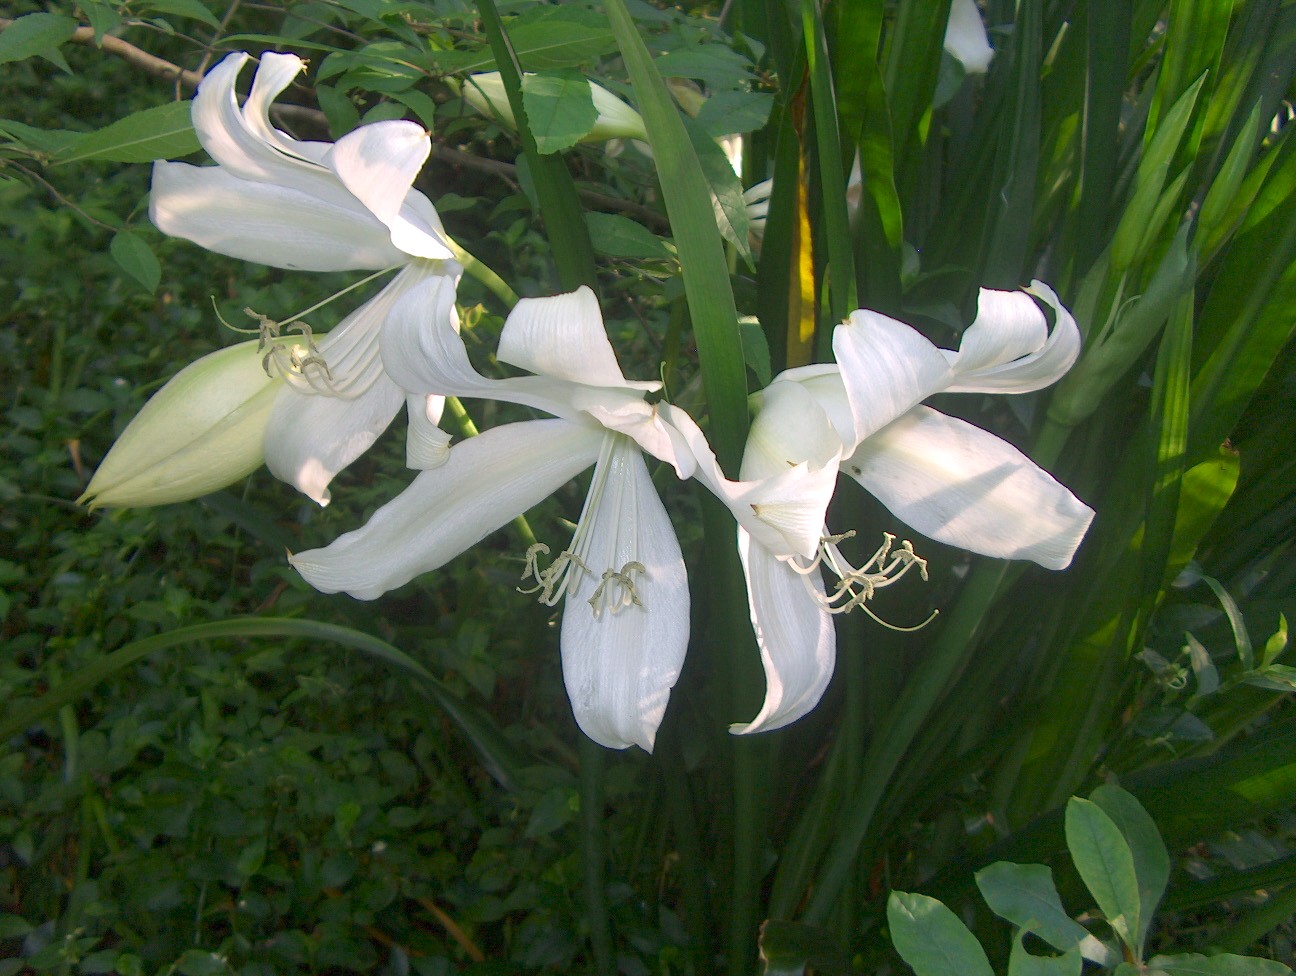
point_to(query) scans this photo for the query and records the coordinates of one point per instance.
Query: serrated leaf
(161, 132)
(136, 259)
(932, 940)
(1106, 865)
(559, 108)
(35, 34)
(1226, 964)
(621, 237)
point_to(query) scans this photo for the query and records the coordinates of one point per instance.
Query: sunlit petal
(310, 438)
(965, 37)
(1008, 349)
(887, 367)
(486, 482)
(426, 444)
(623, 645)
(795, 635)
(965, 487)
(378, 164)
(563, 336)
(280, 226)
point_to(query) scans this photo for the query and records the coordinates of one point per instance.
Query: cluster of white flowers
(307, 406)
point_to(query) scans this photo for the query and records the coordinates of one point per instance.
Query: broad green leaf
(162, 132)
(1191, 964)
(341, 112)
(559, 109)
(102, 17)
(1151, 862)
(197, 962)
(620, 237)
(51, 141)
(1025, 895)
(35, 34)
(544, 38)
(728, 112)
(1022, 963)
(932, 940)
(1106, 865)
(1204, 669)
(726, 189)
(136, 259)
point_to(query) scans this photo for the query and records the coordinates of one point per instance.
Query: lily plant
(311, 206)
(625, 624)
(863, 416)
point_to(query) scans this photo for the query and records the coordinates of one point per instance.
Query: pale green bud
(616, 119)
(203, 430)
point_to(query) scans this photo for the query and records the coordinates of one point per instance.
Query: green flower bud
(202, 431)
(616, 119)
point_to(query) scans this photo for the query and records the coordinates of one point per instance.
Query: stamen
(856, 586)
(623, 582)
(552, 582)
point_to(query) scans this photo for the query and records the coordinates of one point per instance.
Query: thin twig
(210, 46)
(60, 197)
(302, 115)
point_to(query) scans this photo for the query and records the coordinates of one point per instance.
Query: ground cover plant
(1021, 271)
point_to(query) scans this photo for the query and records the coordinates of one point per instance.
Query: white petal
(275, 73)
(311, 437)
(563, 336)
(270, 224)
(784, 513)
(240, 147)
(798, 646)
(965, 487)
(790, 427)
(620, 663)
(487, 481)
(378, 164)
(1008, 348)
(965, 37)
(426, 444)
(422, 351)
(887, 367)
(321, 426)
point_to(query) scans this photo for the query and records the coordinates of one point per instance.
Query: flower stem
(591, 817)
(483, 273)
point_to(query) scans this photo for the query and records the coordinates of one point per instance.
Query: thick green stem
(591, 817)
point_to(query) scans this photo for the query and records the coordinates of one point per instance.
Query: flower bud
(202, 431)
(616, 120)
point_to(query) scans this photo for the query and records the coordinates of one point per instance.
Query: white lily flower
(311, 206)
(626, 622)
(616, 120)
(948, 479)
(966, 39)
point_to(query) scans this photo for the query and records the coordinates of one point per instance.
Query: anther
(623, 582)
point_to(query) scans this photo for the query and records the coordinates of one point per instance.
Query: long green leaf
(494, 751)
(932, 939)
(1106, 864)
(161, 132)
(706, 273)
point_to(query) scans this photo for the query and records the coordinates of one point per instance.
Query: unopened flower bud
(202, 431)
(616, 120)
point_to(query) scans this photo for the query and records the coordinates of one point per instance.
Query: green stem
(591, 816)
(950, 654)
(469, 429)
(484, 273)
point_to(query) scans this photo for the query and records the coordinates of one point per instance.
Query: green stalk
(948, 657)
(485, 274)
(559, 204)
(591, 819)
